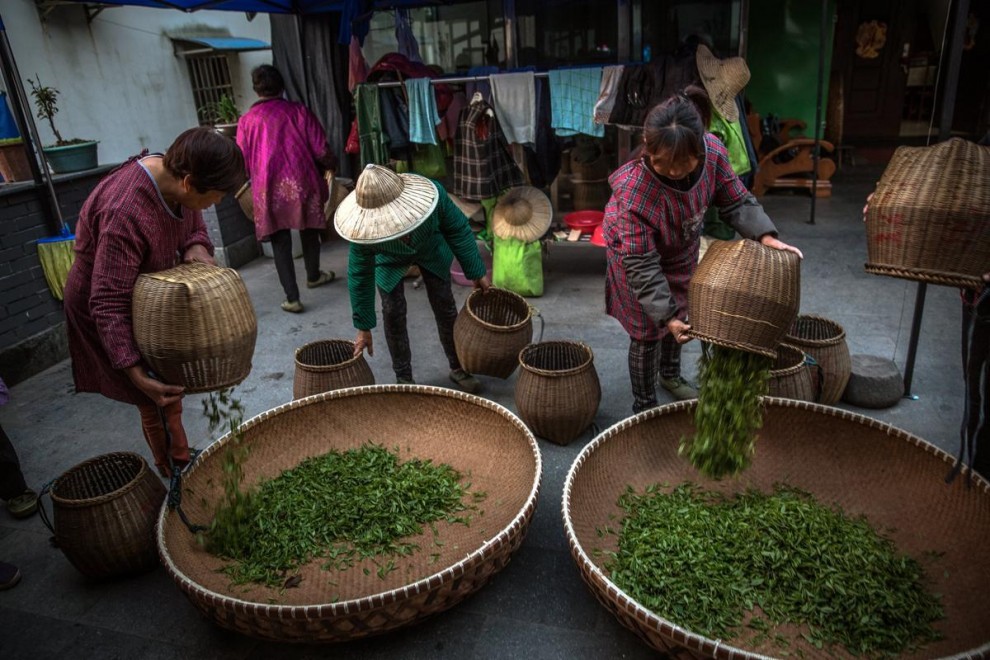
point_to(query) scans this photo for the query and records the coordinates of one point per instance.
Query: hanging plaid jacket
(483, 166)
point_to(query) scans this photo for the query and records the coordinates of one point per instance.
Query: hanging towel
(423, 113)
(406, 41)
(369, 124)
(607, 92)
(357, 66)
(573, 94)
(514, 101)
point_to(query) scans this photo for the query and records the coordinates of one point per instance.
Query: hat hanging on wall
(523, 213)
(723, 80)
(385, 205)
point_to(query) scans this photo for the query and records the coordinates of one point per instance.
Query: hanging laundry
(423, 114)
(357, 66)
(369, 123)
(573, 94)
(407, 44)
(543, 157)
(483, 166)
(634, 97)
(481, 86)
(514, 101)
(606, 94)
(395, 121)
(448, 122)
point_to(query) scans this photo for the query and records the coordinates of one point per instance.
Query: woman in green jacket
(394, 221)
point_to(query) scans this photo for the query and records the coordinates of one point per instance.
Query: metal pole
(822, 36)
(29, 131)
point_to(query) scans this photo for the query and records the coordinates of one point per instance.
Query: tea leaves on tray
(704, 561)
(729, 412)
(343, 506)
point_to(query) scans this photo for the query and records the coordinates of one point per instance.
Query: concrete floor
(538, 606)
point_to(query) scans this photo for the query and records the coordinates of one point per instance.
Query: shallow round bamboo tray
(479, 438)
(869, 468)
(329, 364)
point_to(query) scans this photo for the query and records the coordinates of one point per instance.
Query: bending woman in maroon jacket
(652, 231)
(144, 217)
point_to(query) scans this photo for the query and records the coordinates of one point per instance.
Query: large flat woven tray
(867, 467)
(477, 437)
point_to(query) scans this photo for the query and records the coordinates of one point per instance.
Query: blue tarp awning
(227, 44)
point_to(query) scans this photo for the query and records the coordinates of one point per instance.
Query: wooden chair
(797, 155)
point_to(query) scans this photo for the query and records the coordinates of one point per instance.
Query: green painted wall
(782, 53)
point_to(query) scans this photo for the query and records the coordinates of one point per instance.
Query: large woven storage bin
(327, 365)
(104, 513)
(590, 194)
(558, 391)
(482, 440)
(490, 330)
(825, 341)
(195, 326)
(744, 295)
(929, 219)
(794, 376)
(894, 479)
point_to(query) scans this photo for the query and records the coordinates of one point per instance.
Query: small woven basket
(490, 330)
(744, 295)
(195, 326)
(929, 219)
(327, 365)
(104, 512)
(825, 341)
(865, 467)
(475, 436)
(558, 391)
(793, 376)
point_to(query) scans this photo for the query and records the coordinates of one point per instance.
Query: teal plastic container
(72, 157)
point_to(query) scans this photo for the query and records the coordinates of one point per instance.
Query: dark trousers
(284, 266)
(11, 478)
(643, 368)
(976, 371)
(394, 321)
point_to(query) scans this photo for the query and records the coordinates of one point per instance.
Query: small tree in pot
(65, 155)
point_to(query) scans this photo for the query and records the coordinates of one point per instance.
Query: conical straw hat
(723, 80)
(384, 205)
(523, 213)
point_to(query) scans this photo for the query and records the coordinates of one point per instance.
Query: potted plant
(223, 114)
(65, 155)
(14, 164)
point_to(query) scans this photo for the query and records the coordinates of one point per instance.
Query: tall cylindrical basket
(558, 391)
(103, 515)
(490, 330)
(327, 365)
(825, 341)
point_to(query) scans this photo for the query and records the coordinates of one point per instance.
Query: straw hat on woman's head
(723, 80)
(385, 205)
(523, 213)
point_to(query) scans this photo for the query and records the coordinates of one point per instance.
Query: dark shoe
(24, 505)
(679, 388)
(465, 381)
(9, 575)
(293, 306)
(404, 381)
(325, 276)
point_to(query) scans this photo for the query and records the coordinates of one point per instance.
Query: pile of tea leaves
(343, 506)
(729, 411)
(729, 566)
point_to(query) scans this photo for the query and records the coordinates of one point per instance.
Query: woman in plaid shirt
(143, 217)
(652, 230)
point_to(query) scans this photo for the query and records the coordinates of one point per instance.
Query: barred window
(210, 77)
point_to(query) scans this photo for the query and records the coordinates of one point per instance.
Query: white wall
(119, 78)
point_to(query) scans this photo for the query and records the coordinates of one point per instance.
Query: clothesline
(453, 81)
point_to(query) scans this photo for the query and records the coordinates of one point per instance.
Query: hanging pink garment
(357, 67)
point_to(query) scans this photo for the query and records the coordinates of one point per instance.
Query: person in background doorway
(286, 153)
(144, 217)
(394, 221)
(652, 228)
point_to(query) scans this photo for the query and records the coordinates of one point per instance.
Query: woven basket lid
(385, 205)
(524, 213)
(723, 80)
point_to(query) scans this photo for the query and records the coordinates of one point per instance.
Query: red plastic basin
(586, 221)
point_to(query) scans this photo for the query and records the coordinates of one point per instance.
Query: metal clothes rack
(456, 80)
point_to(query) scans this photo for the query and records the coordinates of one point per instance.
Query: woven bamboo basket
(793, 376)
(894, 479)
(929, 219)
(475, 436)
(825, 341)
(744, 295)
(490, 330)
(558, 391)
(103, 515)
(327, 365)
(590, 194)
(195, 326)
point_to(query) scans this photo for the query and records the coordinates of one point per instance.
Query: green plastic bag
(518, 266)
(428, 160)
